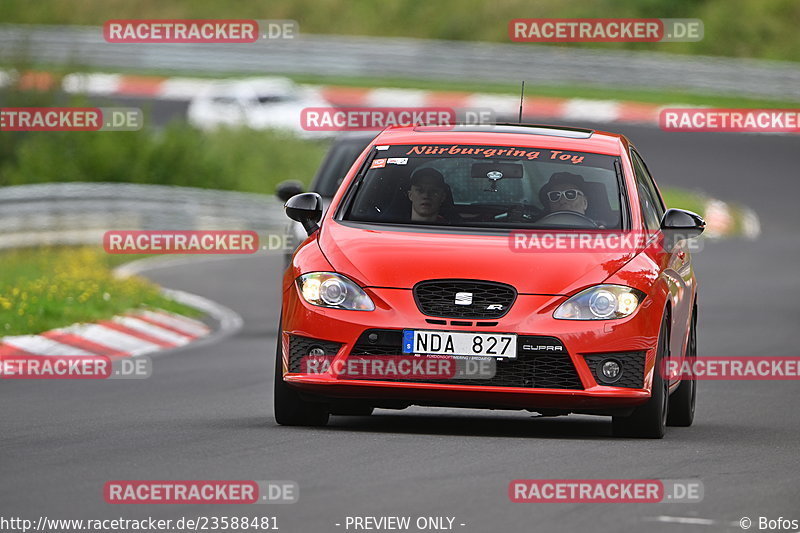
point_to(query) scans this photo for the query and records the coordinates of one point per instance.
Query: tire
(289, 408)
(648, 421)
(683, 400)
(352, 410)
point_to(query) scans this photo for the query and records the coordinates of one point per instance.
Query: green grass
(47, 288)
(684, 199)
(738, 28)
(237, 160)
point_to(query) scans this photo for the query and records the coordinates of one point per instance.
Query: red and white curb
(140, 332)
(179, 88)
(502, 105)
(129, 335)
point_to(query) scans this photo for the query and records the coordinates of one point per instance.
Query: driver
(565, 191)
(427, 193)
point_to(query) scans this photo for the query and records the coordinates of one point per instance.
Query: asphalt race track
(206, 411)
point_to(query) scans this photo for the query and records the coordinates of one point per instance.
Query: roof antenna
(521, 97)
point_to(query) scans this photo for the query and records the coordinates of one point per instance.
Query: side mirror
(679, 224)
(305, 208)
(287, 189)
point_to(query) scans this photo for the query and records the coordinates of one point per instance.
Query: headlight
(327, 289)
(602, 302)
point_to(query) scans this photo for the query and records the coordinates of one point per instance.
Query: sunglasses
(569, 194)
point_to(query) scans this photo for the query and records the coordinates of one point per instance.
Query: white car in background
(257, 103)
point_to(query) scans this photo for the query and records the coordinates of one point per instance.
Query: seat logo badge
(463, 298)
(494, 307)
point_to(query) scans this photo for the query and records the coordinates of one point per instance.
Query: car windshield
(478, 186)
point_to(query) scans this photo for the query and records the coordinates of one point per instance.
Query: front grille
(488, 299)
(529, 370)
(300, 346)
(632, 364)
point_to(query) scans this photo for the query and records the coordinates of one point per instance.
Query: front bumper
(584, 344)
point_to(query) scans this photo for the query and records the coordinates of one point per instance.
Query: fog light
(610, 370)
(316, 351)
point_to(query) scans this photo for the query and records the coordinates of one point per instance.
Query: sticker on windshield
(397, 160)
(537, 154)
(378, 163)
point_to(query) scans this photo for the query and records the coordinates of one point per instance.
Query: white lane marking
(684, 520)
(152, 330)
(38, 345)
(166, 261)
(113, 339)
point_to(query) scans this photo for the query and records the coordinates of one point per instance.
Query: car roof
(534, 135)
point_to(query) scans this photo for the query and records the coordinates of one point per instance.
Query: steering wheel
(524, 213)
(568, 218)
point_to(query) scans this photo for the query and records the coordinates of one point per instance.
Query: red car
(503, 267)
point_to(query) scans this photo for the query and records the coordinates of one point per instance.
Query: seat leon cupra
(503, 267)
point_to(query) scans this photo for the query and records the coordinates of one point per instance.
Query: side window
(648, 200)
(659, 203)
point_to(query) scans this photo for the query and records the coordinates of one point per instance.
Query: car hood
(400, 259)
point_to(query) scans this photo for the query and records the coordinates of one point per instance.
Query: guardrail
(80, 213)
(411, 58)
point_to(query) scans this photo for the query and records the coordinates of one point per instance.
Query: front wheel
(648, 421)
(683, 400)
(290, 409)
